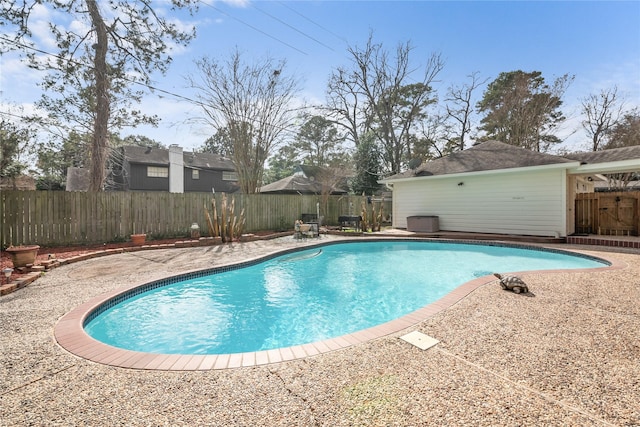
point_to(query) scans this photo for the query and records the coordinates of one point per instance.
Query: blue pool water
(307, 296)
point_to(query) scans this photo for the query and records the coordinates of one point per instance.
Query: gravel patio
(570, 356)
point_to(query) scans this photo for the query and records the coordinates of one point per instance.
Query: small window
(195, 174)
(229, 176)
(157, 172)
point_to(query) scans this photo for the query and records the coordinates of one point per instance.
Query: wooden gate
(614, 214)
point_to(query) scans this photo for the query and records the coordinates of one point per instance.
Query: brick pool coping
(70, 334)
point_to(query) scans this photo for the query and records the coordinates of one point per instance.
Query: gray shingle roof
(612, 155)
(160, 156)
(208, 161)
(490, 155)
(294, 184)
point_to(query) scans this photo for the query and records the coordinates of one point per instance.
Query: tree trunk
(100, 126)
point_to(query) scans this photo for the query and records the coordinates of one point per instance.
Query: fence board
(20, 220)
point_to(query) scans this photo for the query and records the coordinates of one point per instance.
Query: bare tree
(626, 132)
(252, 102)
(459, 106)
(378, 94)
(345, 106)
(602, 112)
(436, 138)
(331, 179)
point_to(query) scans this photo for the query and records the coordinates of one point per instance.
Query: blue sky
(597, 41)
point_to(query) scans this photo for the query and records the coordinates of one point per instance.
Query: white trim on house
(607, 167)
(563, 166)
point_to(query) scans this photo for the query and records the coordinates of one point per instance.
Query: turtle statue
(512, 283)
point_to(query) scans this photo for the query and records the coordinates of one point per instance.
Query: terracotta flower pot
(138, 239)
(21, 256)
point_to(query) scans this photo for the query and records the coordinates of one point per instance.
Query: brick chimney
(176, 169)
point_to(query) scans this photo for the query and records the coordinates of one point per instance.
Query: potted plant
(23, 255)
(138, 239)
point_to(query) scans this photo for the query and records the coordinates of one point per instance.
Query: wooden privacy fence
(613, 214)
(63, 218)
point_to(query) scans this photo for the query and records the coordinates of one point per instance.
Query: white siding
(522, 202)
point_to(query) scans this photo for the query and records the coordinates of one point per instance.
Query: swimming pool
(304, 296)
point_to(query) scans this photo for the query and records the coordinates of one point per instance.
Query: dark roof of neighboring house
(208, 161)
(611, 155)
(306, 180)
(490, 155)
(160, 156)
(294, 184)
(311, 171)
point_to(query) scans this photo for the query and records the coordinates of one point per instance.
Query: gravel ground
(570, 356)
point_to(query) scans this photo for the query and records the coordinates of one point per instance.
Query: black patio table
(351, 221)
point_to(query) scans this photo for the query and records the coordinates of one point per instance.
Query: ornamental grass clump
(227, 226)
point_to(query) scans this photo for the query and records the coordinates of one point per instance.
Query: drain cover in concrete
(420, 340)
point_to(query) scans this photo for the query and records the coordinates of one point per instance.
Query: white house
(499, 188)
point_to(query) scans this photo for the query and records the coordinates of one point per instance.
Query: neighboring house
(77, 179)
(21, 182)
(499, 188)
(605, 185)
(308, 180)
(159, 169)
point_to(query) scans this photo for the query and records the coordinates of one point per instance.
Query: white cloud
(79, 27)
(13, 67)
(18, 82)
(41, 17)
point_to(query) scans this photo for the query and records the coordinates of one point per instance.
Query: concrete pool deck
(569, 356)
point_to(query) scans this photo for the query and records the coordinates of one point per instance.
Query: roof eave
(568, 165)
(147, 163)
(630, 165)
